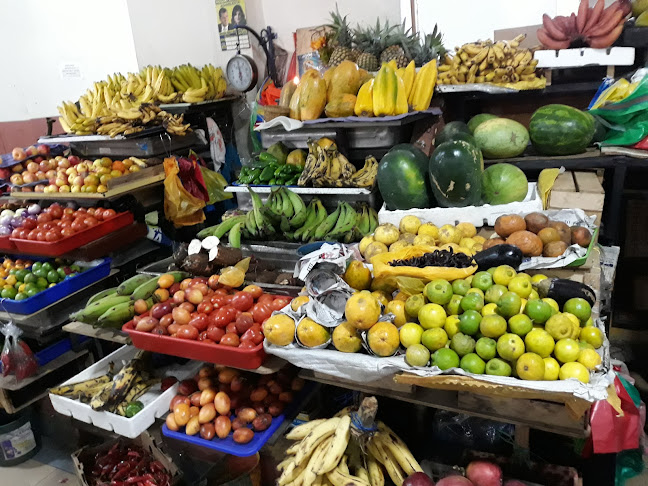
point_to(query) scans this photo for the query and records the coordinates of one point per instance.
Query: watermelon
(455, 174)
(402, 178)
(451, 131)
(477, 120)
(600, 131)
(504, 183)
(560, 130)
(501, 138)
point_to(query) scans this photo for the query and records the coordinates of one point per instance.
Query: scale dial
(242, 73)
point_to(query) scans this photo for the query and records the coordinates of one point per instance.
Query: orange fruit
(383, 339)
(362, 310)
(118, 165)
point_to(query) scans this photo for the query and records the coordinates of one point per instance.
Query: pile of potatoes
(537, 235)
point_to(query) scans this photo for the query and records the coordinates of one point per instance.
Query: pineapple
(342, 39)
(428, 48)
(400, 44)
(370, 41)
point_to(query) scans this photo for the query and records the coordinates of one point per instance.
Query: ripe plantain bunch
(112, 392)
(336, 452)
(489, 62)
(327, 167)
(125, 104)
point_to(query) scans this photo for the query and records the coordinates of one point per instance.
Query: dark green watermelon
(560, 130)
(600, 131)
(477, 120)
(402, 178)
(455, 130)
(455, 174)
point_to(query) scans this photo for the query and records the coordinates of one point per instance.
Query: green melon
(402, 178)
(455, 174)
(504, 183)
(452, 131)
(477, 120)
(501, 138)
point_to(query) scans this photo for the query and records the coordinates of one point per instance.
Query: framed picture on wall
(231, 13)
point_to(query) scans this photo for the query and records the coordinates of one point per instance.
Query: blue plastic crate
(228, 445)
(57, 349)
(59, 291)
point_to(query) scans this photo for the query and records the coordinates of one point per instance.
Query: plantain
(82, 387)
(146, 289)
(90, 314)
(116, 316)
(127, 287)
(138, 388)
(100, 295)
(122, 382)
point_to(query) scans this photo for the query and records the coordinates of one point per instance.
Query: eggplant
(562, 289)
(498, 255)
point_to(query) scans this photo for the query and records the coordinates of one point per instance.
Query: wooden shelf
(112, 335)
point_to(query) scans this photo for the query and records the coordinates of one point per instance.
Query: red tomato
(244, 322)
(67, 217)
(91, 221)
(230, 339)
(81, 211)
(261, 312)
(99, 214)
(279, 303)
(215, 333)
(231, 327)
(33, 235)
(47, 226)
(69, 211)
(108, 213)
(247, 345)
(44, 218)
(255, 290)
(16, 232)
(217, 300)
(202, 336)
(199, 321)
(29, 223)
(265, 299)
(91, 211)
(205, 307)
(219, 319)
(52, 235)
(56, 211)
(78, 225)
(252, 335)
(187, 332)
(67, 231)
(242, 300)
(41, 235)
(221, 291)
(208, 341)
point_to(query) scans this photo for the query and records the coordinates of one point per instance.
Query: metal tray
(161, 144)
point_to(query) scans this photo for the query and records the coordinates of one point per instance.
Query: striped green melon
(560, 130)
(501, 138)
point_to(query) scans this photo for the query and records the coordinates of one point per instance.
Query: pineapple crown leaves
(402, 37)
(341, 32)
(371, 39)
(429, 47)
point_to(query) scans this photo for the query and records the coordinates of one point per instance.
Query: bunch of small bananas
(489, 62)
(327, 167)
(125, 103)
(334, 452)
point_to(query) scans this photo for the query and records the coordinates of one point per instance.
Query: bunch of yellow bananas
(123, 104)
(498, 62)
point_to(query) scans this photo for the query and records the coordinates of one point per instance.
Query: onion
(34, 209)
(16, 221)
(5, 230)
(6, 212)
(5, 220)
(20, 211)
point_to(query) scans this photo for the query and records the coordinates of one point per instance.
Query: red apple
(31, 151)
(44, 166)
(43, 149)
(5, 173)
(484, 473)
(18, 154)
(38, 159)
(73, 159)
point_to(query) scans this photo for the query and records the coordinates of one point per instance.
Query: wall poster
(231, 13)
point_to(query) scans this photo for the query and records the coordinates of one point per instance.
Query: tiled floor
(34, 473)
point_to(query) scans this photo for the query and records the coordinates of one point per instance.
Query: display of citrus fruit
(397, 307)
(521, 285)
(492, 325)
(410, 334)
(574, 370)
(566, 350)
(413, 304)
(439, 291)
(538, 311)
(432, 315)
(383, 338)
(589, 358)
(592, 335)
(417, 355)
(540, 342)
(454, 306)
(486, 348)
(312, 334)
(362, 310)
(472, 301)
(578, 307)
(279, 330)
(510, 346)
(445, 359)
(530, 366)
(559, 326)
(469, 322)
(451, 326)
(509, 304)
(503, 275)
(520, 324)
(435, 338)
(346, 338)
(552, 369)
(472, 363)
(358, 276)
(493, 294)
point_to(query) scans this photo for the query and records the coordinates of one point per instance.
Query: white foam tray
(478, 215)
(585, 56)
(156, 403)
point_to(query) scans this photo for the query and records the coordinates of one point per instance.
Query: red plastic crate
(65, 245)
(249, 359)
(6, 243)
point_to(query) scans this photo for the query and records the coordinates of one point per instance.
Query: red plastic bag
(642, 145)
(615, 422)
(17, 359)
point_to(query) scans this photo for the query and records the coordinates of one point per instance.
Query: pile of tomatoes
(57, 222)
(202, 309)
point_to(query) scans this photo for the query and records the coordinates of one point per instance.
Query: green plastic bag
(627, 119)
(215, 184)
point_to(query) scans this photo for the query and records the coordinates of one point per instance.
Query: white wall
(38, 37)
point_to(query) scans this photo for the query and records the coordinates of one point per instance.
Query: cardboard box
(581, 190)
(86, 455)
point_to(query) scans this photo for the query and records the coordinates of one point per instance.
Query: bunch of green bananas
(112, 392)
(286, 215)
(114, 307)
(327, 167)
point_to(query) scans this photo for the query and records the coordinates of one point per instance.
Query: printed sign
(231, 13)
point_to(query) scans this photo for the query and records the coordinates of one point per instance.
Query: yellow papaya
(364, 76)
(423, 88)
(401, 98)
(344, 80)
(286, 94)
(392, 64)
(385, 91)
(312, 95)
(364, 102)
(408, 78)
(340, 107)
(294, 103)
(328, 74)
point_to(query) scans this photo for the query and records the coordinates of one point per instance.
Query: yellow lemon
(538, 277)
(467, 229)
(409, 224)
(574, 370)
(592, 335)
(552, 369)
(530, 366)
(489, 309)
(567, 350)
(552, 303)
(589, 358)
(540, 342)
(503, 275)
(451, 326)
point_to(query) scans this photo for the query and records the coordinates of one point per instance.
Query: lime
(20, 274)
(552, 303)
(462, 344)
(413, 304)
(460, 287)
(434, 339)
(489, 309)
(486, 348)
(30, 278)
(417, 355)
(482, 281)
(520, 324)
(493, 326)
(567, 350)
(32, 292)
(472, 301)
(53, 276)
(472, 363)
(42, 283)
(40, 272)
(538, 311)
(476, 291)
(579, 307)
(61, 272)
(498, 367)
(445, 359)
(493, 294)
(410, 333)
(509, 304)
(439, 291)
(9, 293)
(592, 335)
(454, 306)
(76, 268)
(469, 322)
(36, 266)
(510, 346)
(47, 266)
(491, 270)
(432, 315)
(20, 296)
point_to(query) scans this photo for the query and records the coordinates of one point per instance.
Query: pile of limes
(495, 323)
(23, 283)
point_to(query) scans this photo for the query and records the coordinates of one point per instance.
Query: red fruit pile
(202, 309)
(597, 26)
(217, 402)
(56, 223)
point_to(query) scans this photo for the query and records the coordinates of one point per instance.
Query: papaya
(385, 91)
(401, 99)
(344, 80)
(340, 107)
(364, 76)
(294, 103)
(423, 88)
(286, 94)
(311, 94)
(364, 102)
(408, 78)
